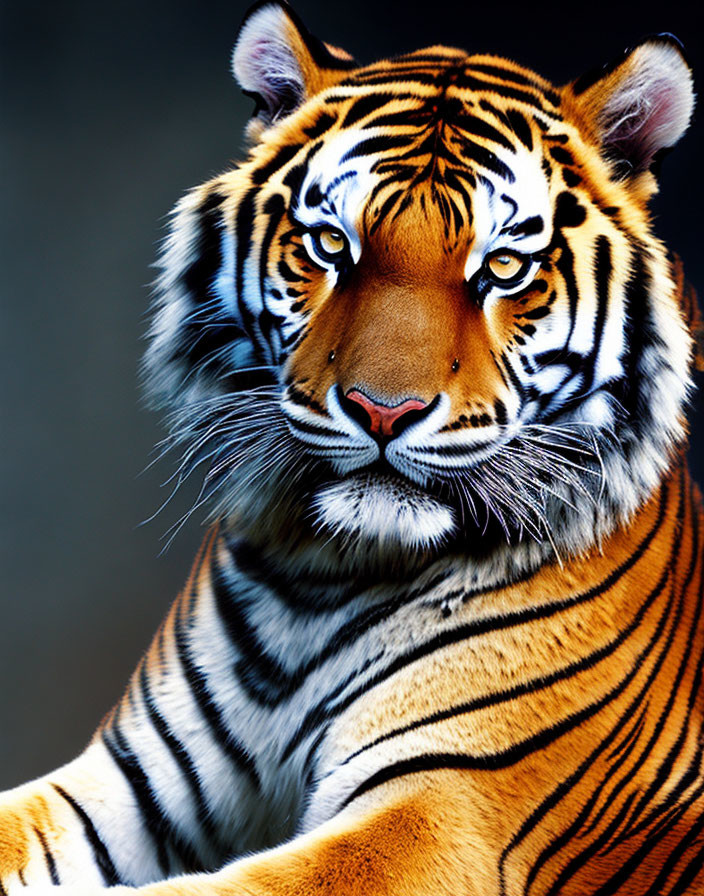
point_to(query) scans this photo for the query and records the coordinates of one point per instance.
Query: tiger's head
(428, 311)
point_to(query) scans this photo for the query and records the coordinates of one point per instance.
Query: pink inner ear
(650, 107)
(663, 99)
(647, 125)
(269, 66)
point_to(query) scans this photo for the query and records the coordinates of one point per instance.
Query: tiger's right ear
(279, 63)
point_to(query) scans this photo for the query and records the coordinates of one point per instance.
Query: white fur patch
(383, 509)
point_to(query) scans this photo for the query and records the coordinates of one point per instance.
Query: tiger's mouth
(416, 491)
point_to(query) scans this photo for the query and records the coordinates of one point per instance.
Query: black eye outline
(322, 252)
(489, 277)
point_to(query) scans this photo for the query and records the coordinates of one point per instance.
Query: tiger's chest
(513, 687)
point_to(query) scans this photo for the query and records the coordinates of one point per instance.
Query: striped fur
(463, 656)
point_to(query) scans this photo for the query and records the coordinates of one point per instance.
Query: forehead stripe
(470, 124)
(373, 145)
(529, 227)
(517, 78)
(400, 77)
(281, 158)
(520, 127)
(365, 105)
(479, 85)
(487, 159)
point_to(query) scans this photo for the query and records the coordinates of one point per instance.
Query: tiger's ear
(279, 63)
(639, 105)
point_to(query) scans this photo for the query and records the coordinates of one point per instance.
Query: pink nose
(381, 417)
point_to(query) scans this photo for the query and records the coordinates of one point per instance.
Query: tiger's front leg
(76, 823)
(167, 784)
(415, 843)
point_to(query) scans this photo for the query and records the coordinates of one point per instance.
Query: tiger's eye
(505, 265)
(332, 242)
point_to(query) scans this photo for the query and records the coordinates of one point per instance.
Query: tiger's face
(429, 308)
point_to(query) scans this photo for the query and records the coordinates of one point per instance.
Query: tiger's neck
(316, 571)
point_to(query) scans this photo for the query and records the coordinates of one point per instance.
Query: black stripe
(513, 377)
(385, 209)
(309, 428)
(278, 161)
(565, 265)
(397, 175)
(417, 118)
(454, 178)
(243, 231)
(630, 735)
(321, 712)
(520, 127)
(3, 891)
(665, 767)
(581, 859)
(504, 759)
(602, 276)
(564, 787)
(528, 227)
(405, 77)
(638, 332)
(276, 208)
(198, 684)
(321, 593)
(626, 752)
(507, 74)
(529, 687)
(468, 82)
(48, 857)
(365, 106)
(561, 155)
(458, 451)
(372, 146)
(102, 857)
(689, 873)
(181, 757)
(478, 127)
(487, 159)
(321, 126)
(607, 834)
(198, 277)
(155, 821)
(286, 271)
(254, 663)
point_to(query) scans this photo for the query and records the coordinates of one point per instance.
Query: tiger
(444, 634)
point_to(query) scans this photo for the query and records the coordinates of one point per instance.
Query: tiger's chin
(383, 510)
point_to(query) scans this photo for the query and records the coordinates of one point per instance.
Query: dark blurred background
(109, 112)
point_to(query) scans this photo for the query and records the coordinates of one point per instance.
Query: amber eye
(329, 243)
(506, 267)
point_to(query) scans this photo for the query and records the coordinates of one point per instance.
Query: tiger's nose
(380, 420)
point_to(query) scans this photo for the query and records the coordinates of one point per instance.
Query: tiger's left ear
(639, 105)
(279, 63)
